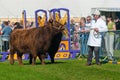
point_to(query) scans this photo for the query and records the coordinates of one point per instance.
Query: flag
(57, 17)
(63, 20)
(42, 20)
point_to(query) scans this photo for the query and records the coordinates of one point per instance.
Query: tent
(78, 8)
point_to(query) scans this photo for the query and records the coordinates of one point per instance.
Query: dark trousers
(6, 45)
(92, 49)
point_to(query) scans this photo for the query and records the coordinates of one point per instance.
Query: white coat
(95, 38)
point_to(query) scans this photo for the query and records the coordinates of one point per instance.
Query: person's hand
(75, 32)
(82, 31)
(87, 31)
(96, 29)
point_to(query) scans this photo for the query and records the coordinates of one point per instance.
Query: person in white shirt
(95, 38)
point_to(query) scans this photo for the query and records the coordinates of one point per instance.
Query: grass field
(61, 70)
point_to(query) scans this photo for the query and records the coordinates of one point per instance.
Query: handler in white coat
(95, 38)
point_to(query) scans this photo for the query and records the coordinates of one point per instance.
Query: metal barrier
(4, 46)
(4, 43)
(79, 42)
(110, 48)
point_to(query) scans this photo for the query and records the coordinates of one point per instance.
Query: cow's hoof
(12, 63)
(21, 64)
(33, 64)
(42, 63)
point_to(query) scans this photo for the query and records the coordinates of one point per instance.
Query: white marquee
(78, 8)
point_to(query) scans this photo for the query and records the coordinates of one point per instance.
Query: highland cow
(34, 41)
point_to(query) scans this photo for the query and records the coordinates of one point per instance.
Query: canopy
(78, 8)
(107, 9)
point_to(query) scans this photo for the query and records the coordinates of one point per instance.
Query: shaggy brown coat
(33, 41)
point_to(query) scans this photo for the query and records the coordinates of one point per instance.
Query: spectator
(0, 29)
(117, 35)
(8, 22)
(83, 35)
(72, 24)
(88, 22)
(109, 39)
(94, 40)
(5, 35)
(17, 26)
(117, 23)
(0, 38)
(3, 25)
(72, 29)
(76, 37)
(12, 25)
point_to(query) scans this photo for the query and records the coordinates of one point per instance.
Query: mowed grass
(61, 70)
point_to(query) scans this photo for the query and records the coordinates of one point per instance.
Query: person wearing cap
(95, 38)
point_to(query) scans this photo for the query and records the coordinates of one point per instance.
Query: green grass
(117, 53)
(61, 70)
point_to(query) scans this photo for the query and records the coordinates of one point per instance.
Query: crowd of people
(86, 35)
(6, 28)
